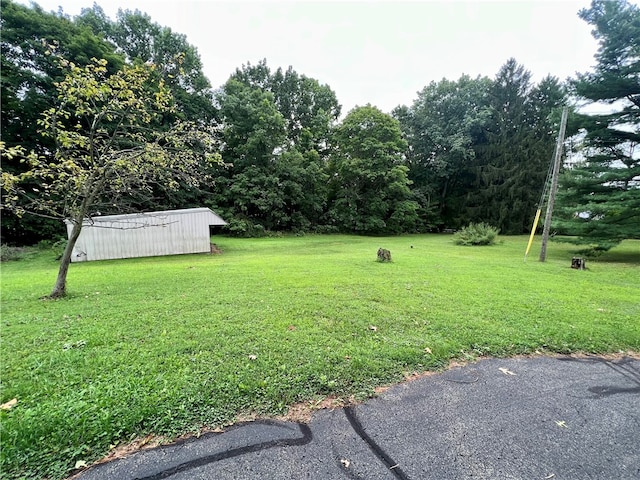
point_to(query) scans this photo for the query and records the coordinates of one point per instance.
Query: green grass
(170, 345)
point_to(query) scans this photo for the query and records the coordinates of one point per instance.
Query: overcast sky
(374, 52)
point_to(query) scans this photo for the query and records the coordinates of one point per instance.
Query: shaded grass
(168, 345)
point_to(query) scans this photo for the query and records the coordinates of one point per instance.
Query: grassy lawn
(173, 344)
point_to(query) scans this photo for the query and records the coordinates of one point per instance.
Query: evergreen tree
(599, 198)
(512, 162)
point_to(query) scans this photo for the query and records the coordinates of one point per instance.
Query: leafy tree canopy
(29, 77)
(443, 126)
(105, 153)
(370, 187)
(29, 74)
(479, 148)
(27, 89)
(309, 108)
(178, 62)
(276, 129)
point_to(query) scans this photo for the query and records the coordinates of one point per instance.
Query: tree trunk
(443, 196)
(60, 288)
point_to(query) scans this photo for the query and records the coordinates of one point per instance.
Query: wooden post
(554, 185)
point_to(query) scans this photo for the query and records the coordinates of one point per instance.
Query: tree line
(466, 150)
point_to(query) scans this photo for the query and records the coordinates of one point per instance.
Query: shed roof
(214, 218)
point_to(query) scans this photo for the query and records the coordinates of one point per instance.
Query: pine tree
(512, 162)
(599, 198)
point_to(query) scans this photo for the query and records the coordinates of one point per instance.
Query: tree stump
(578, 263)
(384, 255)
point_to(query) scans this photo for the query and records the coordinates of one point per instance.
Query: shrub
(476, 234)
(8, 253)
(245, 228)
(325, 229)
(56, 246)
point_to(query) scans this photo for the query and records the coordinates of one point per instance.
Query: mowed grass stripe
(171, 344)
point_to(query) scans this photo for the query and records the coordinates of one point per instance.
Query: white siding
(146, 234)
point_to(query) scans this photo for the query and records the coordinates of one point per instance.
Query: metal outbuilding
(170, 232)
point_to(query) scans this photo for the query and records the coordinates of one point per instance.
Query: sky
(374, 52)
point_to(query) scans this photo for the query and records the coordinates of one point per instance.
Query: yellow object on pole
(533, 232)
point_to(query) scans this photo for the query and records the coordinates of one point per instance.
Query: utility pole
(554, 185)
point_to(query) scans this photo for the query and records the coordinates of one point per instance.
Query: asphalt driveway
(534, 418)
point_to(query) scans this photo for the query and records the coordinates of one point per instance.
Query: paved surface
(534, 418)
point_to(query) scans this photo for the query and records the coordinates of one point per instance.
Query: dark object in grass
(384, 255)
(578, 263)
(215, 250)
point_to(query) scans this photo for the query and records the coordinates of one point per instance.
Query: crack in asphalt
(373, 446)
(306, 438)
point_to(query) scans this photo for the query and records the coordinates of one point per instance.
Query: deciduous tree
(27, 89)
(369, 184)
(177, 62)
(443, 126)
(106, 152)
(310, 109)
(276, 131)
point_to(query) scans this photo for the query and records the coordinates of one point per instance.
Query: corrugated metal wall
(145, 235)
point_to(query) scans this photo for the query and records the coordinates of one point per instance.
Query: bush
(8, 253)
(476, 234)
(325, 229)
(56, 246)
(245, 228)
